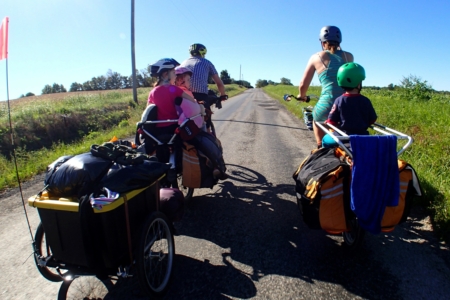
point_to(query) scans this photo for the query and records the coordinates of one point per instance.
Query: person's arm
(307, 78)
(188, 97)
(219, 83)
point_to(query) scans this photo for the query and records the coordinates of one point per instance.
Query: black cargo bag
(75, 176)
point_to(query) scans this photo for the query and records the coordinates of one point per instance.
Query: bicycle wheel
(155, 255)
(353, 239)
(44, 252)
(84, 287)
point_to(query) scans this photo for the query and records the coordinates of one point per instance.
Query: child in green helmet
(352, 112)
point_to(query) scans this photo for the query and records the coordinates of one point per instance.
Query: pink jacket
(190, 109)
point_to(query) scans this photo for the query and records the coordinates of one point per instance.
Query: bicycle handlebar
(288, 97)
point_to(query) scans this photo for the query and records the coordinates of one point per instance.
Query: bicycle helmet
(162, 65)
(182, 70)
(330, 33)
(197, 49)
(350, 75)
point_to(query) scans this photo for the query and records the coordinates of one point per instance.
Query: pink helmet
(182, 70)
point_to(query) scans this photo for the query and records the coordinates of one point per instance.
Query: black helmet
(162, 65)
(330, 33)
(197, 49)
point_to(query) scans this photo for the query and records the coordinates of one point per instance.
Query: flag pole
(133, 57)
(4, 54)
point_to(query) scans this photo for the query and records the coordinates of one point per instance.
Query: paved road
(245, 238)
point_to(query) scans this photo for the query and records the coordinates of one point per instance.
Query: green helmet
(350, 75)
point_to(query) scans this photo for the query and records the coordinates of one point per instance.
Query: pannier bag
(322, 185)
(321, 181)
(196, 172)
(172, 203)
(409, 187)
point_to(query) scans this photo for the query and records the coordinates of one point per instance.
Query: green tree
(261, 83)
(414, 87)
(75, 87)
(285, 81)
(29, 94)
(113, 80)
(47, 89)
(87, 86)
(226, 79)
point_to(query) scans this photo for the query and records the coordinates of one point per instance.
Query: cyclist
(202, 69)
(190, 109)
(164, 93)
(208, 144)
(326, 63)
(352, 112)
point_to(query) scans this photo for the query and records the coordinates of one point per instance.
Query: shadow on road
(263, 230)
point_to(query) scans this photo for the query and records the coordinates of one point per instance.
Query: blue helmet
(330, 34)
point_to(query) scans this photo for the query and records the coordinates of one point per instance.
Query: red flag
(4, 39)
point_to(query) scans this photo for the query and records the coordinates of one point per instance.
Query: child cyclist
(189, 109)
(164, 93)
(207, 143)
(352, 112)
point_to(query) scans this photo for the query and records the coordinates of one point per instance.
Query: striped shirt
(201, 69)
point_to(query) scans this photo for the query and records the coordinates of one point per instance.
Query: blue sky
(66, 41)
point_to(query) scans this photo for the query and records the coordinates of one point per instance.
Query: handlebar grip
(287, 97)
(223, 97)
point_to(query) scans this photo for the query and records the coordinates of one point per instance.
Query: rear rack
(344, 138)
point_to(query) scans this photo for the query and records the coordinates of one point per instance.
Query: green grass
(108, 114)
(427, 122)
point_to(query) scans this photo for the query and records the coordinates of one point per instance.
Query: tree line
(114, 81)
(263, 82)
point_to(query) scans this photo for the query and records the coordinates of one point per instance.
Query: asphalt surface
(245, 238)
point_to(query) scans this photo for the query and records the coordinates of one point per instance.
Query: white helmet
(162, 65)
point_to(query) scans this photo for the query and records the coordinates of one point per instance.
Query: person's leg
(320, 114)
(318, 134)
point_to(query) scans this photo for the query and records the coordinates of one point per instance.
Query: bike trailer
(96, 239)
(90, 230)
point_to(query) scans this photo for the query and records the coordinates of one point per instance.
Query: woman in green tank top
(326, 63)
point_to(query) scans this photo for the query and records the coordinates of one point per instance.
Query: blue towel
(375, 178)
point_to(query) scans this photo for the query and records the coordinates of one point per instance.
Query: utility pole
(133, 60)
(240, 78)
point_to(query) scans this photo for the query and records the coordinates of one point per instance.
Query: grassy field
(426, 120)
(50, 126)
